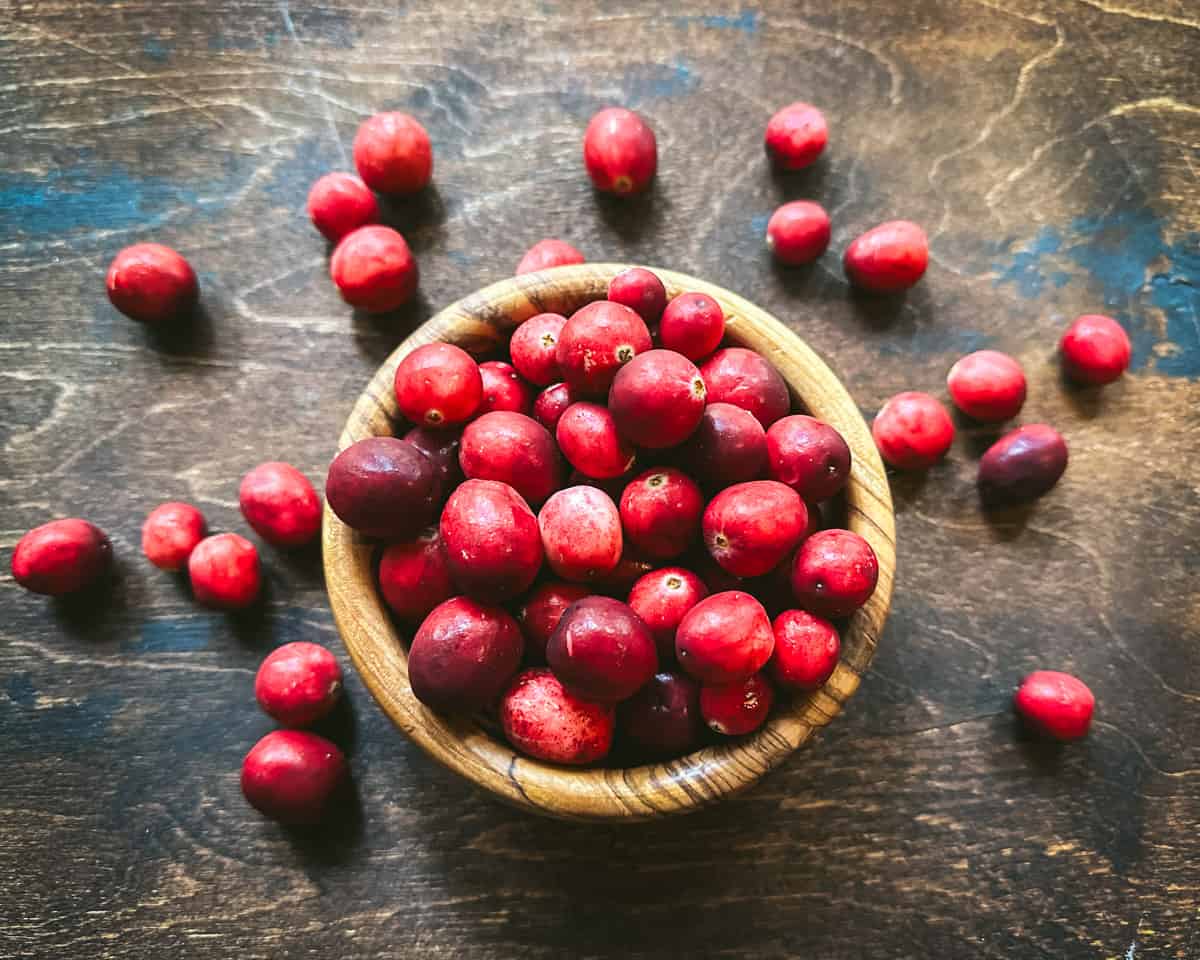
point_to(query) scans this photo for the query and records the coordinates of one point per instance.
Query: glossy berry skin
(534, 348)
(441, 447)
(806, 650)
(834, 573)
(340, 203)
(595, 342)
(750, 528)
(1095, 350)
(657, 399)
(1055, 704)
(728, 446)
(798, 232)
(493, 546)
(392, 153)
(298, 684)
(1022, 465)
(514, 449)
(581, 533)
(414, 576)
(290, 775)
(724, 638)
(641, 291)
(543, 719)
(660, 512)
(503, 389)
(913, 431)
(551, 404)
(541, 610)
(619, 151)
(548, 253)
(374, 269)
(383, 487)
(745, 379)
(663, 718)
(795, 136)
(171, 533)
(438, 385)
(225, 572)
(692, 324)
(151, 283)
(888, 258)
(281, 505)
(809, 456)
(588, 437)
(61, 556)
(662, 599)
(987, 385)
(737, 708)
(601, 650)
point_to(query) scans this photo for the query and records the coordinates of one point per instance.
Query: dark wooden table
(1052, 152)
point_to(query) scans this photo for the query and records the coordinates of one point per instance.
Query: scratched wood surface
(1052, 151)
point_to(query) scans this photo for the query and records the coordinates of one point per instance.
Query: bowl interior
(481, 324)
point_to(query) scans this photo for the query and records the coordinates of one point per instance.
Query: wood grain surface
(1050, 148)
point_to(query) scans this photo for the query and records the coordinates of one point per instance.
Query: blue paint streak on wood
(20, 689)
(655, 81)
(174, 635)
(156, 49)
(747, 21)
(58, 726)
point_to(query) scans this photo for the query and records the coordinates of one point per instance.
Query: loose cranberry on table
(601, 650)
(225, 572)
(438, 385)
(795, 136)
(392, 153)
(737, 708)
(806, 650)
(641, 291)
(750, 528)
(290, 775)
(339, 203)
(834, 573)
(798, 232)
(660, 511)
(534, 348)
(503, 389)
(374, 269)
(728, 446)
(548, 253)
(550, 405)
(1022, 465)
(987, 385)
(493, 546)
(581, 533)
(441, 447)
(888, 258)
(745, 379)
(61, 556)
(1095, 349)
(663, 718)
(913, 431)
(1055, 704)
(543, 719)
(662, 599)
(587, 435)
(595, 342)
(724, 638)
(280, 504)
(657, 399)
(809, 456)
(619, 151)
(463, 656)
(541, 610)
(514, 449)
(151, 283)
(171, 533)
(298, 684)
(414, 576)
(383, 487)
(692, 324)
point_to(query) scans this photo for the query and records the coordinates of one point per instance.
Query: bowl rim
(481, 322)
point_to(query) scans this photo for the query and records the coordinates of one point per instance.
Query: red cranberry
(551, 404)
(640, 291)
(543, 719)
(595, 342)
(657, 399)
(888, 258)
(809, 456)
(692, 324)
(724, 638)
(588, 438)
(225, 572)
(739, 707)
(619, 151)
(540, 612)
(438, 385)
(1095, 349)
(729, 446)
(290, 775)
(602, 650)
(414, 576)
(441, 447)
(798, 232)
(548, 253)
(340, 203)
(280, 504)
(514, 449)
(1055, 704)
(660, 511)
(796, 135)
(806, 650)
(493, 547)
(383, 487)
(913, 431)
(663, 718)
(1022, 465)
(171, 533)
(750, 528)
(373, 269)
(503, 389)
(534, 348)
(61, 556)
(662, 598)
(987, 385)
(151, 283)
(581, 533)
(834, 573)
(745, 379)
(392, 153)
(298, 684)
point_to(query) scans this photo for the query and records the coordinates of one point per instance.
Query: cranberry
(1095, 349)
(414, 576)
(549, 253)
(595, 342)
(657, 399)
(588, 438)
(171, 533)
(151, 283)
(503, 389)
(663, 718)
(339, 203)
(438, 385)
(463, 656)
(809, 456)
(225, 572)
(543, 719)
(61, 556)
(383, 487)
(729, 446)
(540, 612)
(806, 650)
(912, 431)
(739, 707)
(660, 511)
(280, 504)
(750, 528)
(373, 269)
(639, 290)
(392, 153)
(662, 598)
(492, 542)
(834, 573)
(1022, 465)
(796, 135)
(692, 324)
(1055, 704)
(581, 533)
(290, 775)
(550, 405)
(888, 258)
(534, 348)
(441, 447)
(619, 151)
(298, 684)
(987, 385)
(724, 638)
(602, 650)
(745, 379)
(798, 232)
(514, 449)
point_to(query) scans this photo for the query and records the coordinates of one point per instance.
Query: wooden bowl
(481, 324)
